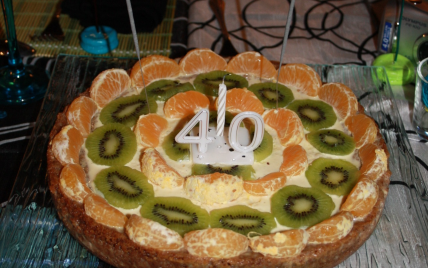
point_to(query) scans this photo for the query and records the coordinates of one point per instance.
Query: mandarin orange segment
(294, 160)
(72, 182)
(287, 125)
(66, 145)
(281, 244)
(363, 129)
(253, 63)
(80, 114)
(157, 170)
(98, 209)
(152, 234)
(109, 85)
(148, 129)
(267, 185)
(201, 60)
(215, 243)
(374, 161)
(331, 230)
(154, 67)
(213, 188)
(340, 97)
(362, 198)
(240, 100)
(185, 104)
(301, 77)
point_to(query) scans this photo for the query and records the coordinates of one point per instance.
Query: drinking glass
(19, 84)
(420, 110)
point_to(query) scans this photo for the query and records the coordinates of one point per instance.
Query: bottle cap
(100, 42)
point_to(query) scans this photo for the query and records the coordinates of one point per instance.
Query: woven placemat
(32, 16)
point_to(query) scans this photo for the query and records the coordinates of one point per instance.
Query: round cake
(215, 163)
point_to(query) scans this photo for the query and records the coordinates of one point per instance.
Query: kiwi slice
(127, 110)
(112, 145)
(332, 176)
(314, 114)
(242, 219)
(208, 83)
(331, 141)
(265, 148)
(296, 206)
(164, 89)
(176, 151)
(176, 213)
(246, 172)
(123, 186)
(267, 94)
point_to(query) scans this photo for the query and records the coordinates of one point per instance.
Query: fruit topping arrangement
(314, 174)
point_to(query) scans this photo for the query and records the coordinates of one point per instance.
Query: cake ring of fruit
(132, 195)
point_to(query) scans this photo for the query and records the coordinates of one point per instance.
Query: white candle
(221, 108)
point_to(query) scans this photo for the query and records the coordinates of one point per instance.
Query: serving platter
(31, 235)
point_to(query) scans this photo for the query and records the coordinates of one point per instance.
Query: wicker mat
(32, 16)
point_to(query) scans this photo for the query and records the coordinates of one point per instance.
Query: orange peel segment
(215, 243)
(253, 63)
(302, 77)
(108, 85)
(363, 129)
(362, 198)
(331, 230)
(152, 234)
(149, 128)
(267, 185)
(213, 188)
(201, 60)
(295, 160)
(341, 97)
(287, 125)
(98, 209)
(66, 145)
(157, 170)
(281, 244)
(80, 113)
(185, 104)
(374, 161)
(72, 182)
(240, 100)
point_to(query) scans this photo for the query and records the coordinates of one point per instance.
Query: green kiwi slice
(242, 219)
(296, 206)
(246, 172)
(127, 110)
(332, 176)
(314, 114)
(176, 213)
(176, 151)
(267, 94)
(111, 144)
(208, 83)
(123, 186)
(265, 148)
(164, 89)
(331, 141)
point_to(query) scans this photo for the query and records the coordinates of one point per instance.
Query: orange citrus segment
(374, 161)
(184, 104)
(109, 85)
(240, 100)
(157, 170)
(253, 63)
(72, 182)
(267, 185)
(215, 243)
(363, 129)
(332, 229)
(362, 198)
(201, 60)
(149, 128)
(295, 160)
(302, 77)
(280, 245)
(154, 67)
(80, 114)
(287, 125)
(66, 145)
(98, 209)
(213, 188)
(152, 234)
(340, 97)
